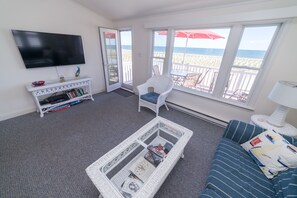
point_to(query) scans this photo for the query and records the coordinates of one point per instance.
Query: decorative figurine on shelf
(77, 72)
(38, 83)
(62, 79)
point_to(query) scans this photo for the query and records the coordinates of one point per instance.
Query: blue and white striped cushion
(234, 174)
(241, 132)
(209, 193)
(285, 183)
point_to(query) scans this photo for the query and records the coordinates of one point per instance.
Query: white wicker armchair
(161, 85)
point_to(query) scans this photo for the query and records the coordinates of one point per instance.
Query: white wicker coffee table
(110, 171)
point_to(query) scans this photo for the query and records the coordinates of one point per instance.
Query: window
(219, 63)
(197, 57)
(159, 51)
(251, 52)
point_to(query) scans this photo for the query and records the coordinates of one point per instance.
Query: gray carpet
(47, 157)
(123, 92)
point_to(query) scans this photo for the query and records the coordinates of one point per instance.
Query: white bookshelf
(41, 92)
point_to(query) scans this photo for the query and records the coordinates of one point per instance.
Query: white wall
(281, 65)
(55, 16)
(140, 53)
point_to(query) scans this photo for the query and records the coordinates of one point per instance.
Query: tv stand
(41, 92)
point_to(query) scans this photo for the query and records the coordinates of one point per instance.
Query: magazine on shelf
(142, 169)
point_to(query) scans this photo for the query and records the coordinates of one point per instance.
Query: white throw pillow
(271, 152)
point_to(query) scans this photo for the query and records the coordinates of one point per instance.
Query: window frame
(152, 57)
(234, 39)
(127, 86)
(266, 58)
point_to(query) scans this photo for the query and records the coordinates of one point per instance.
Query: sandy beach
(200, 60)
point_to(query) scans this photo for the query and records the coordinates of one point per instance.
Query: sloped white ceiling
(127, 9)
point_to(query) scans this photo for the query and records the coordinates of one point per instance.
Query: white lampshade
(283, 93)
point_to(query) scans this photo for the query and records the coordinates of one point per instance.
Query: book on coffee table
(142, 169)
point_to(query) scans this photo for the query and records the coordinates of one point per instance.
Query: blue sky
(125, 37)
(254, 38)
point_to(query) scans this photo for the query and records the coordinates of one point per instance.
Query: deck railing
(237, 88)
(127, 72)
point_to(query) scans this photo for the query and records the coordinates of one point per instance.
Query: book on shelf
(73, 93)
(130, 186)
(81, 91)
(77, 92)
(75, 102)
(142, 169)
(70, 94)
(60, 108)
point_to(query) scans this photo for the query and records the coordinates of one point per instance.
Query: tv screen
(39, 49)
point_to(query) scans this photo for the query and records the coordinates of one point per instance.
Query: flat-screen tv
(39, 49)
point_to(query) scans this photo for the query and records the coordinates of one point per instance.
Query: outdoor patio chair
(240, 95)
(201, 78)
(153, 93)
(156, 70)
(213, 80)
(191, 80)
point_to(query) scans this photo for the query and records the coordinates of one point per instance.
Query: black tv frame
(48, 49)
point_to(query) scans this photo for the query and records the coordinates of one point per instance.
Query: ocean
(214, 52)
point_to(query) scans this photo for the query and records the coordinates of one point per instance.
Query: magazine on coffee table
(142, 169)
(153, 158)
(158, 150)
(130, 186)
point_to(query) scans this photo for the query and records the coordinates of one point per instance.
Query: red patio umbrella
(193, 34)
(109, 35)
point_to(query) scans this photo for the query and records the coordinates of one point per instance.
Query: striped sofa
(233, 172)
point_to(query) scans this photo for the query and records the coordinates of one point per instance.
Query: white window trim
(152, 57)
(121, 58)
(264, 68)
(209, 96)
(227, 61)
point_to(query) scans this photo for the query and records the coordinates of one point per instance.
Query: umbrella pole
(185, 51)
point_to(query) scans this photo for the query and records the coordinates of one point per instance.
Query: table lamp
(284, 93)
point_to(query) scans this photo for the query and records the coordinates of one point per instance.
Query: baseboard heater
(199, 115)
